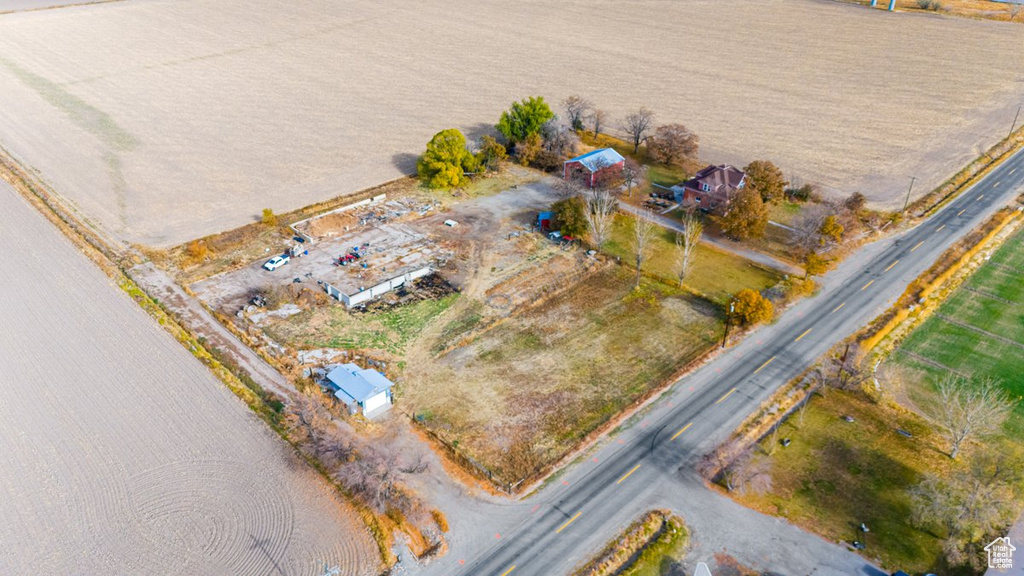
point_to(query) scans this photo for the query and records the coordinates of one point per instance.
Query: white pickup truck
(276, 262)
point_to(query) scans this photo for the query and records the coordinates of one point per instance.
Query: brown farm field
(164, 121)
(124, 455)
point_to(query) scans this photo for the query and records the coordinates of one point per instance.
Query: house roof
(356, 385)
(716, 177)
(597, 159)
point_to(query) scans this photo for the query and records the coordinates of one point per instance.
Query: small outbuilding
(361, 389)
(593, 166)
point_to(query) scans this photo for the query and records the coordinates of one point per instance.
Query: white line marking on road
(980, 196)
(939, 229)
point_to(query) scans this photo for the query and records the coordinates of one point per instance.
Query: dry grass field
(165, 120)
(124, 455)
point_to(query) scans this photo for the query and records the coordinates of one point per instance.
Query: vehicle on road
(276, 262)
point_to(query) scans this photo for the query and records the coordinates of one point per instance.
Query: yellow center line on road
(918, 245)
(570, 521)
(980, 196)
(1012, 171)
(770, 360)
(509, 571)
(891, 265)
(627, 474)
(865, 287)
(836, 309)
(939, 229)
(681, 430)
(961, 212)
(998, 182)
(800, 337)
(727, 394)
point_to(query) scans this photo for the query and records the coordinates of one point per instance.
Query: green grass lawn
(715, 274)
(836, 475)
(662, 556)
(991, 300)
(336, 327)
(784, 212)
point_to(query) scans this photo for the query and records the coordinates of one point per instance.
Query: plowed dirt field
(167, 120)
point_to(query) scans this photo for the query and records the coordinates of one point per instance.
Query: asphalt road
(560, 530)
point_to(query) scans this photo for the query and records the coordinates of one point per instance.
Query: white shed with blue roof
(361, 389)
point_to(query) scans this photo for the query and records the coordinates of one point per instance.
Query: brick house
(593, 166)
(710, 188)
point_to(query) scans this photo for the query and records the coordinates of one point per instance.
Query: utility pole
(842, 365)
(732, 306)
(1014, 125)
(907, 201)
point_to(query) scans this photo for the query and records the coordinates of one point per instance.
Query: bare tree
(560, 139)
(686, 245)
(632, 174)
(569, 187)
(806, 234)
(637, 125)
(598, 118)
(1014, 10)
(576, 108)
(749, 472)
(373, 476)
(970, 409)
(971, 505)
(601, 209)
(643, 232)
(844, 371)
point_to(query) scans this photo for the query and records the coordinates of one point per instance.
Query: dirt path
(722, 244)
(158, 284)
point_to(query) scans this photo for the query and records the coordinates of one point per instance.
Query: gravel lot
(168, 120)
(123, 455)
